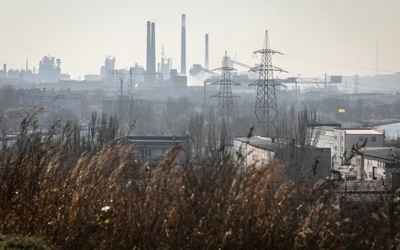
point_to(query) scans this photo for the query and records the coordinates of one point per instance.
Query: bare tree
(296, 143)
(101, 131)
(196, 131)
(211, 147)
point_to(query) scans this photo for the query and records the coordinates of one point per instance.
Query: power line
(318, 61)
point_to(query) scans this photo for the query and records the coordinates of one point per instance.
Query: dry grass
(109, 200)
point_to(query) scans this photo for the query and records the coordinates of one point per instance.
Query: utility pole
(130, 82)
(377, 57)
(206, 52)
(266, 110)
(356, 83)
(122, 80)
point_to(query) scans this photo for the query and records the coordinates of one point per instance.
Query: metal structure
(324, 79)
(266, 110)
(225, 95)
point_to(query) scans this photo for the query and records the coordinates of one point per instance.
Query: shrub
(110, 200)
(22, 243)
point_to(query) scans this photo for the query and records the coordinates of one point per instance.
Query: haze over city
(316, 37)
(208, 124)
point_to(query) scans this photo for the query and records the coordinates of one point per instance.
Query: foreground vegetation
(76, 194)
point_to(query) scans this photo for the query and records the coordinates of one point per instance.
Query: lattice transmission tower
(266, 110)
(225, 95)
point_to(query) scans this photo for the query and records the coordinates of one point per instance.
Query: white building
(378, 164)
(255, 150)
(300, 161)
(342, 140)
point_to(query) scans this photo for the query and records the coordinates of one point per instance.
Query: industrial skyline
(316, 37)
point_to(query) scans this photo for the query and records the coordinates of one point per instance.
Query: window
(147, 153)
(373, 138)
(335, 138)
(361, 139)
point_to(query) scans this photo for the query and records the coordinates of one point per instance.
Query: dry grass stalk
(110, 200)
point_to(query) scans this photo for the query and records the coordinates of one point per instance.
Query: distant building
(261, 150)
(178, 81)
(258, 150)
(380, 164)
(342, 140)
(49, 71)
(7, 140)
(151, 147)
(108, 70)
(52, 102)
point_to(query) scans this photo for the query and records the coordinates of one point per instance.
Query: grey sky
(337, 37)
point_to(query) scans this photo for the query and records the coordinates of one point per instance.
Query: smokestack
(148, 49)
(183, 45)
(153, 51)
(225, 60)
(206, 63)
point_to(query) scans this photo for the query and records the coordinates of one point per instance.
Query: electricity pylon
(266, 110)
(225, 95)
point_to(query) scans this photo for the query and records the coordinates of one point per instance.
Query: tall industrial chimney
(148, 50)
(151, 54)
(183, 45)
(153, 51)
(206, 62)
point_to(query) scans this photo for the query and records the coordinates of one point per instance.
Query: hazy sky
(337, 37)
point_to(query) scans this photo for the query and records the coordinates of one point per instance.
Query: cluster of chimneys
(151, 51)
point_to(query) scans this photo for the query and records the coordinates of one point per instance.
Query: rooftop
(386, 153)
(362, 132)
(258, 142)
(154, 141)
